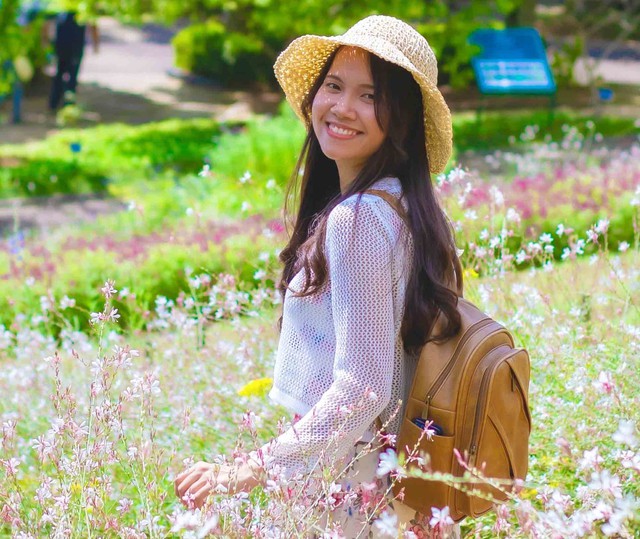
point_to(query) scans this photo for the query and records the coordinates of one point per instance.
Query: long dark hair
(315, 190)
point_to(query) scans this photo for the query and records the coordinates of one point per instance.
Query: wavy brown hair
(315, 190)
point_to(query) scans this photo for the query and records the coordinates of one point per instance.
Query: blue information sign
(512, 61)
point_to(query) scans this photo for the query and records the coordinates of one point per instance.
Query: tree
(10, 43)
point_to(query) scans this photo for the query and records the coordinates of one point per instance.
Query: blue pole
(17, 102)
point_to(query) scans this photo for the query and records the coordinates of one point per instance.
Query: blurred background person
(69, 43)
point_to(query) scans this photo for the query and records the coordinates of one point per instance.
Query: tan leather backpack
(475, 387)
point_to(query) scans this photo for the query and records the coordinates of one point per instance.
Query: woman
(362, 281)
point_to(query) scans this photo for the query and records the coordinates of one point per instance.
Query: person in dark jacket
(70, 38)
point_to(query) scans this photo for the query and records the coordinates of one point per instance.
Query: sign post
(17, 102)
(513, 62)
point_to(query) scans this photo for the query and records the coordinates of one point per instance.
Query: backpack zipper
(449, 366)
(482, 397)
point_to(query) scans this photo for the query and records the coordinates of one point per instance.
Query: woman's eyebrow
(337, 78)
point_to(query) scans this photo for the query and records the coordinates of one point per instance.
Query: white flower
(546, 238)
(387, 524)
(205, 172)
(271, 184)
(605, 481)
(440, 517)
(602, 226)
(560, 230)
(259, 275)
(624, 246)
(512, 215)
(496, 195)
(45, 303)
(66, 302)
(626, 433)
(388, 463)
(591, 460)
(246, 177)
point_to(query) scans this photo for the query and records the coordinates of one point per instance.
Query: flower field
(132, 346)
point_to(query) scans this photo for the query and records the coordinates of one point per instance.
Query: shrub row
(90, 160)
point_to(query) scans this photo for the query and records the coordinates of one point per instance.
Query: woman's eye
(332, 86)
(369, 97)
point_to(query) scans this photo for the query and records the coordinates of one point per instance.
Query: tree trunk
(523, 15)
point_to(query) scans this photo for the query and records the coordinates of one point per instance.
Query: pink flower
(108, 289)
(604, 383)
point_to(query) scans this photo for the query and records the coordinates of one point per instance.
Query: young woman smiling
(361, 285)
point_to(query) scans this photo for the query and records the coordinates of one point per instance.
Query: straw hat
(391, 39)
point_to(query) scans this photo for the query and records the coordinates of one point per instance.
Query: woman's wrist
(251, 475)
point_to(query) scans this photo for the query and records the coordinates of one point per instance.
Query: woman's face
(343, 113)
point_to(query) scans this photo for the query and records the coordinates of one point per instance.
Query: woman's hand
(194, 485)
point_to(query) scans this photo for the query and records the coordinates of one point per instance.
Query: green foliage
(267, 147)
(118, 155)
(10, 42)
(230, 58)
(42, 176)
(564, 60)
(255, 31)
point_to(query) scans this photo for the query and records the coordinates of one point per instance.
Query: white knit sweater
(340, 361)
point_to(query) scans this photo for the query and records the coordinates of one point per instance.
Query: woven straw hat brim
(299, 65)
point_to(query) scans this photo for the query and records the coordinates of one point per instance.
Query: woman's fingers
(194, 485)
(187, 478)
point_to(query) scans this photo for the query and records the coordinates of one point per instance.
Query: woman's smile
(341, 132)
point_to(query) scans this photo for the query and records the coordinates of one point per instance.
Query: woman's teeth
(341, 131)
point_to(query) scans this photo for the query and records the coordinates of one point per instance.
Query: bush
(230, 58)
(87, 160)
(41, 176)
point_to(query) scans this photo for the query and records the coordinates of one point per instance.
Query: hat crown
(402, 36)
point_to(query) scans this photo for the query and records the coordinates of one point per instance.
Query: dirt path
(42, 215)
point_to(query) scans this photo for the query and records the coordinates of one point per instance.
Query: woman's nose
(343, 106)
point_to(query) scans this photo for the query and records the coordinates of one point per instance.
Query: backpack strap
(399, 209)
(391, 200)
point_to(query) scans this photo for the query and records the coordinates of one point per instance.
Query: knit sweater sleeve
(359, 253)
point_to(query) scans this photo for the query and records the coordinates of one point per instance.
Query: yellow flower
(528, 493)
(470, 273)
(259, 387)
